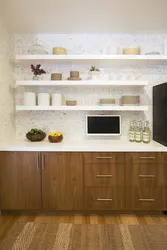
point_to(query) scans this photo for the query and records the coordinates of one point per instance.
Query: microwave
(103, 125)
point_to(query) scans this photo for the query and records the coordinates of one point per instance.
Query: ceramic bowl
(131, 51)
(71, 103)
(55, 139)
(35, 138)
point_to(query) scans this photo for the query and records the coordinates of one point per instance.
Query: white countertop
(81, 145)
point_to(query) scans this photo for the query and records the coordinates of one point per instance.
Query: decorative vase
(35, 77)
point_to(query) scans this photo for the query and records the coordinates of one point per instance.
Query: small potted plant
(95, 73)
(37, 71)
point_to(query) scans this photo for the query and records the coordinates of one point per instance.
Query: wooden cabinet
(62, 187)
(146, 181)
(104, 180)
(83, 181)
(20, 184)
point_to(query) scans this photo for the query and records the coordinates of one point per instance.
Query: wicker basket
(34, 138)
(55, 139)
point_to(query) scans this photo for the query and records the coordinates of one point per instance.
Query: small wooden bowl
(35, 138)
(55, 139)
(71, 103)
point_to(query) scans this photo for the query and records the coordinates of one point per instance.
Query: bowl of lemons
(55, 137)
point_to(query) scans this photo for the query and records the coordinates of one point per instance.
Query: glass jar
(146, 133)
(138, 132)
(132, 131)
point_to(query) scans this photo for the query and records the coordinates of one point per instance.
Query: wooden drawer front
(145, 199)
(146, 170)
(141, 176)
(104, 175)
(101, 198)
(148, 158)
(103, 158)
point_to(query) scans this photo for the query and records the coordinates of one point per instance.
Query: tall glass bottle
(146, 133)
(138, 132)
(132, 132)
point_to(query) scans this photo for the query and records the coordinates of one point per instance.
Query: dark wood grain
(62, 185)
(20, 184)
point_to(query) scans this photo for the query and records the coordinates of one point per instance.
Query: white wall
(7, 117)
(74, 122)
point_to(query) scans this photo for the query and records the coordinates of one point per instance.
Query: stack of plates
(130, 100)
(106, 102)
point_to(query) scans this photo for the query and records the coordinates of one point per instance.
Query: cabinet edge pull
(146, 176)
(146, 157)
(43, 162)
(147, 200)
(37, 158)
(103, 176)
(100, 199)
(104, 157)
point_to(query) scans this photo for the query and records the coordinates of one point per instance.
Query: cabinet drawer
(148, 158)
(102, 198)
(151, 199)
(109, 174)
(146, 170)
(102, 157)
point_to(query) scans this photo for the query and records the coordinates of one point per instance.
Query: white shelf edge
(83, 108)
(90, 57)
(82, 83)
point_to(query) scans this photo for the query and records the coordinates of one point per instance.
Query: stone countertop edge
(122, 145)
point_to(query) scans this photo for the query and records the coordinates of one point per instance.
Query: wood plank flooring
(8, 220)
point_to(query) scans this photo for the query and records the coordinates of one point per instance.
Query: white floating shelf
(83, 108)
(82, 83)
(89, 57)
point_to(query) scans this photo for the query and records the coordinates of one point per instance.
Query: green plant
(93, 68)
(35, 131)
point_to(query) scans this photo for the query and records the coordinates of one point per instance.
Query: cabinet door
(20, 184)
(145, 181)
(62, 181)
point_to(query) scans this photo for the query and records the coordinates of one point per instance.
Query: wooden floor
(7, 221)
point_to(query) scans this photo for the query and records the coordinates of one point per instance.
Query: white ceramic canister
(29, 99)
(43, 99)
(57, 99)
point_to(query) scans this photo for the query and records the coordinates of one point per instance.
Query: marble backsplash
(73, 122)
(7, 100)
